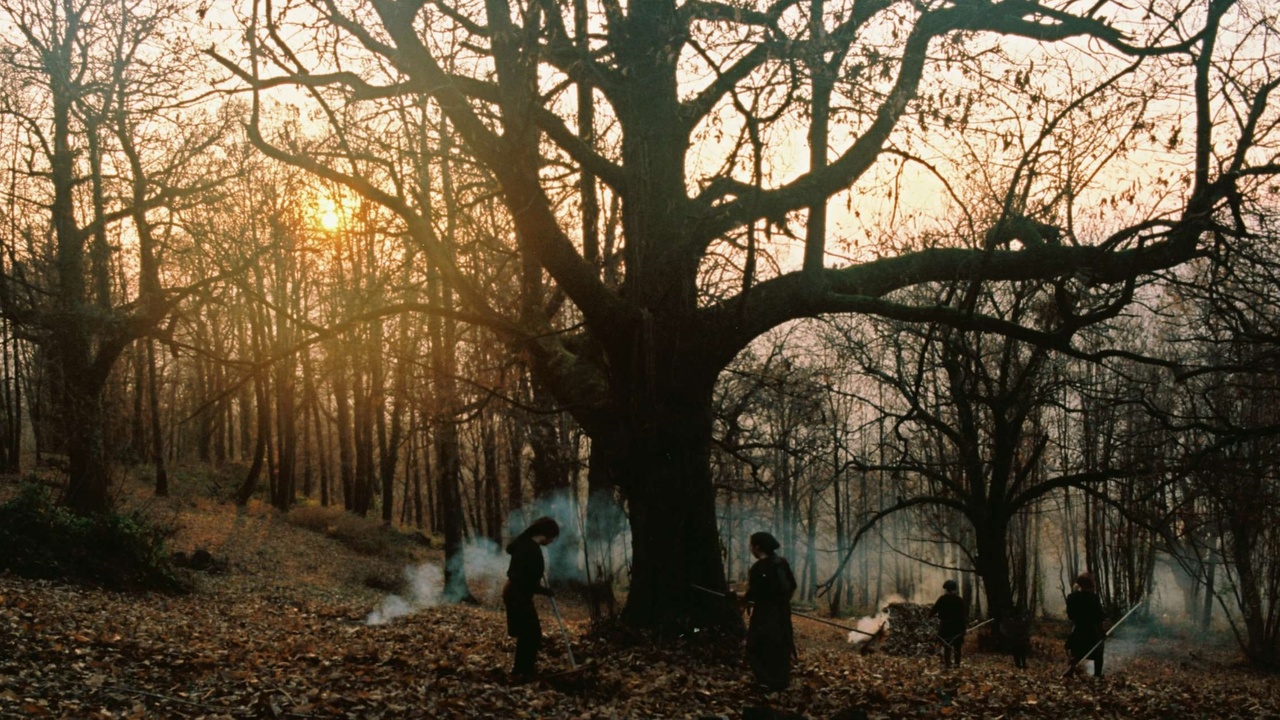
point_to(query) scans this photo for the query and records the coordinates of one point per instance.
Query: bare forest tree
(105, 154)
(967, 423)
(1228, 421)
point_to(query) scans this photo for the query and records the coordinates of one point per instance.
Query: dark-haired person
(950, 611)
(770, 640)
(524, 580)
(1084, 610)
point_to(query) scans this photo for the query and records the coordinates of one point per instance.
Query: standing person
(524, 580)
(770, 640)
(950, 611)
(1084, 610)
(1016, 634)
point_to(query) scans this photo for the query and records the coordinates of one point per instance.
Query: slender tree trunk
(491, 483)
(448, 460)
(157, 431)
(515, 462)
(419, 453)
(393, 437)
(250, 484)
(434, 516)
(342, 403)
(223, 439)
(138, 421)
(363, 437)
(1206, 613)
(12, 380)
(244, 402)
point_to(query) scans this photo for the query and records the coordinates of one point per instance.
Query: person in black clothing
(770, 640)
(1016, 634)
(524, 580)
(950, 611)
(1085, 612)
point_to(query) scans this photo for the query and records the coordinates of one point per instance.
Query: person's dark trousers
(772, 668)
(952, 642)
(526, 654)
(1096, 657)
(951, 653)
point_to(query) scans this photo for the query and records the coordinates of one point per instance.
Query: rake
(573, 679)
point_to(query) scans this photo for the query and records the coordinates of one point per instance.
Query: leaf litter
(281, 634)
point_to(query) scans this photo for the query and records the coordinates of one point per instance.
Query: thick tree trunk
(605, 523)
(1210, 582)
(992, 565)
(662, 464)
(88, 490)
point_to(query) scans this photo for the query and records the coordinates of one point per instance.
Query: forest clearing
(343, 342)
(282, 633)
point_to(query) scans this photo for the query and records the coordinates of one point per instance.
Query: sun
(326, 214)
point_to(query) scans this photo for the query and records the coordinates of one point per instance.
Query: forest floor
(281, 633)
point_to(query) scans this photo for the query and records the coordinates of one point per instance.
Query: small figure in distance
(1015, 632)
(1084, 610)
(950, 611)
(770, 638)
(524, 580)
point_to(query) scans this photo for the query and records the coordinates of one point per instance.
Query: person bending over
(524, 580)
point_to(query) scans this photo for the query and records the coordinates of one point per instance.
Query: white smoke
(872, 624)
(426, 589)
(486, 565)
(486, 569)
(485, 562)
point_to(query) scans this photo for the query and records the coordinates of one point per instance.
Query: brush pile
(912, 633)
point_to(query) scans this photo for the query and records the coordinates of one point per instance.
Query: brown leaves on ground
(281, 635)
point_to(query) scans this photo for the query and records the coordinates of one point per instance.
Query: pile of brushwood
(912, 632)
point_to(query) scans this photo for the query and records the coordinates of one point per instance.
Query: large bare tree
(700, 108)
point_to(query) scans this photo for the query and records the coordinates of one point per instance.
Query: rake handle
(555, 609)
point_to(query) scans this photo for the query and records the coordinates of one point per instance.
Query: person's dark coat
(1015, 633)
(770, 639)
(950, 611)
(1084, 609)
(524, 580)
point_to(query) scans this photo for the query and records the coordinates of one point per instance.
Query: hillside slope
(281, 634)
